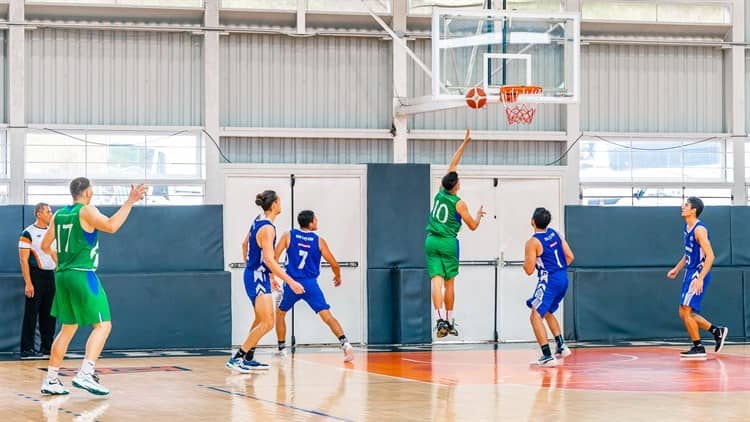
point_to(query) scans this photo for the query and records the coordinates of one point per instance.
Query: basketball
(476, 98)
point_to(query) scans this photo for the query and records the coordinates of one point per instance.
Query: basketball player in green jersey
(441, 246)
(79, 296)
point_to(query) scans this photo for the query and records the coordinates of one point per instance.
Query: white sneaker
(90, 383)
(53, 387)
(348, 352)
(281, 354)
(564, 352)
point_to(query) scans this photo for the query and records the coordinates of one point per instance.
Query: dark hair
(305, 218)
(697, 204)
(542, 217)
(78, 186)
(39, 207)
(265, 199)
(450, 180)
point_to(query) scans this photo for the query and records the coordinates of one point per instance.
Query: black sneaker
(695, 352)
(442, 328)
(31, 354)
(720, 336)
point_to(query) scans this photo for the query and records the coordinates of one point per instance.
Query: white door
(338, 202)
(516, 201)
(474, 305)
(239, 212)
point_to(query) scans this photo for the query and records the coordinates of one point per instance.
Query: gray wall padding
(634, 304)
(640, 236)
(10, 230)
(161, 239)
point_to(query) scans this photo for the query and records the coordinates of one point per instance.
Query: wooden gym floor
(458, 382)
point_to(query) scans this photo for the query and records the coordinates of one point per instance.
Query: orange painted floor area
(637, 369)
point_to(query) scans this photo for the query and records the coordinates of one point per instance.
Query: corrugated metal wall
(307, 150)
(482, 152)
(548, 118)
(3, 77)
(114, 77)
(316, 82)
(649, 88)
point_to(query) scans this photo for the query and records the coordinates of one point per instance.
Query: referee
(38, 271)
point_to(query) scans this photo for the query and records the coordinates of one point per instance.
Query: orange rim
(510, 93)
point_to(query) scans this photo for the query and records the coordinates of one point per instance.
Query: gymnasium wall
(163, 273)
(92, 77)
(619, 288)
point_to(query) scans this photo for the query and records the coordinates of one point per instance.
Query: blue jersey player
(304, 249)
(697, 261)
(258, 249)
(549, 255)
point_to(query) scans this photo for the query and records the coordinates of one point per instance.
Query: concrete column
(738, 105)
(16, 100)
(214, 175)
(400, 84)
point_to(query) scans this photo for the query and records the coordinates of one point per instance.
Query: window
(424, 7)
(383, 6)
(655, 172)
(260, 4)
(653, 196)
(173, 165)
(659, 160)
(686, 11)
(165, 3)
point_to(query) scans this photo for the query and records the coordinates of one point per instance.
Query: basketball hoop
(519, 111)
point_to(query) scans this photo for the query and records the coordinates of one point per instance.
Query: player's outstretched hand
(296, 287)
(336, 281)
(467, 137)
(137, 192)
(672, 274)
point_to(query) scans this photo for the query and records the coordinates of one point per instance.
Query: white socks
(52, 372)
(438, 313)
(450, 315)
(87, 367)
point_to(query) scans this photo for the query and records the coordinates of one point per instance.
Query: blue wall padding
(381, 307)
(161, 239)
(12, 225)
(740, 222)
(11, 310)
(634, 304)
(398, 205)
(149, 311)
(746, 301)
(414, 313)
(167, 310)
(618, 237)
(569, 308)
